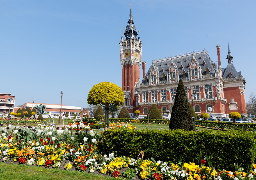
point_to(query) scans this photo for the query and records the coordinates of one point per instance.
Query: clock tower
(130, 58)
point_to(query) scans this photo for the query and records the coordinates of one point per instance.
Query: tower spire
(229, 56)
(130, 16)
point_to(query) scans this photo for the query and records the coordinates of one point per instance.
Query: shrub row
(97, 126)
(144, 121)
(227, 125)
(223, 149)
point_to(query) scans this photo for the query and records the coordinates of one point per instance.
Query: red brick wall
(234, 93)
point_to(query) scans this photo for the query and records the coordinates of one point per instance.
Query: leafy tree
(29, 111)
(137, 112)
(234, 116)
(181, 117)
(205, 116)
(98, 113)
(154, 112)
(193, 114)
(106, 94)
(124, 113)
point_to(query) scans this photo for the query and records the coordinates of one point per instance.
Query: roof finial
(130, 16)
(228, 48)
(229, 56)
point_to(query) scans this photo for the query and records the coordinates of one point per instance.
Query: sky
(51, 46)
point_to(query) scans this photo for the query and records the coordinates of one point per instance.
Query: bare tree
(251, 105)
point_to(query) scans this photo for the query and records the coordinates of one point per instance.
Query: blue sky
(63, 45)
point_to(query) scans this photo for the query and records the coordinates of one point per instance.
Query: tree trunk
(106, 116)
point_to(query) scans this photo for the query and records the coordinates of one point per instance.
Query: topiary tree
(124, 113)
(234, 116)
(181, 117)
(113, 109)
(154, 113)
(193, 114)
(204, 115)
(106, 94)
(99, 113)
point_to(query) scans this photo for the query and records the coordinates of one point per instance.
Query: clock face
(136, 54)
(127, 54)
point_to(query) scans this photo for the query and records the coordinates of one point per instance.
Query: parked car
(212, 119)
(227, 120)
(241, 121)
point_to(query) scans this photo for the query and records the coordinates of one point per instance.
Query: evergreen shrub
(124, 113)
(222, 149)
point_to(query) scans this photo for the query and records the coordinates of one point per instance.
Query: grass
(151, 126)
(16, 171)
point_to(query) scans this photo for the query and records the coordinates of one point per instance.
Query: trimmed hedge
(97, 126)
(227, 125)
(222, 148)
(143, 121)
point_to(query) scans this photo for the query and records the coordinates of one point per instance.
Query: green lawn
(15, 171)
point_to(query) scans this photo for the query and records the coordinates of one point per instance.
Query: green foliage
(154, 112)
(99, 113)
(223, 149)
(193, 114)
(235, 115)
(204, 115)
(124, 113)
(181, 117)
(112, 110)
(40, 117)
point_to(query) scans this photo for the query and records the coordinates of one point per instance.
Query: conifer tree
(154, 113)
(99, 113)
(124, 113)
(193, 114)
(181, 117)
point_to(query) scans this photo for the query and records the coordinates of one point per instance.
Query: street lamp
(61, 94)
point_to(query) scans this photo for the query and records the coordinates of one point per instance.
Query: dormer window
(181, 66)
(207, 71)
(230, 75)
(199, 57)
(203, 63)
(178, 61)
(185, 60)
(188, 65)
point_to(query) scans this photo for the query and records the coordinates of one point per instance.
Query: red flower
(41, 139)
(48, 163)
(58, 145)
(116, 173)
(74, 151)
(203, 161)
(89, 149)
(51, 142)
(89, 145)
(45, 143)
(22, 160)
(157, 176)
(82, 167)
(49, 139)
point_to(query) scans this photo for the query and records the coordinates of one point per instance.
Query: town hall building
(209, 87)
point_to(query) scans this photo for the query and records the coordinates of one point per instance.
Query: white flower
(94, 141)
(71, 150)
(10, 140)
(53, 138)
(250, 175)
(3, 134)
(31, 161)
(91, 170)
(37, 143)
(59, 132)
(72, 138)
(91, 133)
(49, 133)
(30, 142)
(15, 131)
(85, 139)
(5, 158)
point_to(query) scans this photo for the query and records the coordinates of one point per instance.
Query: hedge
(226, 125)
(223, 149)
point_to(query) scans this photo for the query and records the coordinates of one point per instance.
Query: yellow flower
(68, 166)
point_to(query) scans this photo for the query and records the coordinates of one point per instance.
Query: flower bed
(51, 147)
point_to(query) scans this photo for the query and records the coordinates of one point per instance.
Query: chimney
(218, 54)
(143, 68)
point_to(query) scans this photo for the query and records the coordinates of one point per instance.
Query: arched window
(197, 108)
(145, 110)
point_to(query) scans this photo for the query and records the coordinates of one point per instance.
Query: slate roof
(230, 69)
(184, 60)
